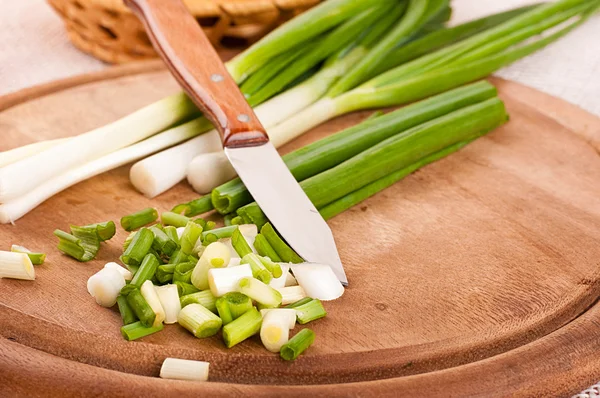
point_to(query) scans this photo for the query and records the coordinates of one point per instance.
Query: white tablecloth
(34, 49)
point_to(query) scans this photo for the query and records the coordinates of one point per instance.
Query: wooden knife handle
(191, 58)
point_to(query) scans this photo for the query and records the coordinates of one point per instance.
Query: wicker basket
(109, 31)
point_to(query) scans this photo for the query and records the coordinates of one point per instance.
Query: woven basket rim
(119, 6)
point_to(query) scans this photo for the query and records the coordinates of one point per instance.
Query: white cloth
(34, 49)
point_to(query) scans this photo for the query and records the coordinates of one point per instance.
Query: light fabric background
(34, 49)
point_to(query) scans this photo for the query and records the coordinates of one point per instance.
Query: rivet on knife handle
(197, 67)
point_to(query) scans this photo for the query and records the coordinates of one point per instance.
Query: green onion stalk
(83, 242)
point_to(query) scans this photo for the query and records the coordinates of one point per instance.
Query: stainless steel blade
(286, 205)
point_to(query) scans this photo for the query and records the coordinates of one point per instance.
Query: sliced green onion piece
(16, 266)
(216, 234)
(127, 275)
(138, 248)
(128, 240)
(195, 207)
(284, 252)
(190, 236)
(204, 298)
(36, 258)
(127, 314)
(183, 272)
(139, 219)
(233, 305)
(300, 302)
(275, 329)
(239, 243)
(137, 330)
(274, 268)
(169, 300)
(153, 301)
(139, 305)
(146, 271)
(225, 280)
(185, 288)
(259, 271)
(105, 286)
(179, 257)
(291, 294)
(216, 255)
(171, 232)
(310, 311)
(242, 328)
(282, 279)
(297, 344)
(264, 248)
(164, 273)
(199, 320)
(184, 369)
(288, 313)
(162, 242)
(174, 219)
(260, 292)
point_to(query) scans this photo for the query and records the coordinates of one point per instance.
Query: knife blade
(197, 67)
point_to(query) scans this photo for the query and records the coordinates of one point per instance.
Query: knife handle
(193, 61)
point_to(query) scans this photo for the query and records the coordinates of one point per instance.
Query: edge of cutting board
(562, 362)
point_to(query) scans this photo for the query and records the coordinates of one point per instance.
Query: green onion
(138, 248)
(242, 328)
(162, 243)
(137, 330)
(127, 314)
(309, 311)
(263, 248)
(239, 243)
(171, 232)
(286, 253)
(139, 219)
(199, 320)
(178, 257)
(183, 272)
(299, 302)
(84, 242)
(186, 288)
(216, 234)
(16, 266)
(140, 306)
(259, 292)
(204, 298)
(210, 225)
(259, 271)
(146, 270)
(297, 344)
(274, 268)
(216, 255)
(190, 236)
(233, 305)
(174, 219)
(36, 258)
(195, 207)
(332, 150)
(164, 273)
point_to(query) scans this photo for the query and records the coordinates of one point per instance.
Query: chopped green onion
(127, 314)
(225, 280)
(204, 298)
(162, 242)
(242, 328)
(237, 220)
(280, 281)
(128, 240)
(174, 219)
(183, 272)
(227, 218)
(284, 252)
(184, 369)
(300, 302)
(210, 225)
(199, 320)
(138, 248)
(179, 257)
(16, 266)
(171, 232)
(137, 330)
(259, 292)
(190, 236)
(186, 288)
(274, 268)
(169, 300)
(105, 285)
(291, 294)
(149, 293)
(265, 249)
(310, 311)
(216, 234)
(259, 271)
(36, 258)
(146, 270)
(140, 306)
(164, 273)
(139, 219)
(195, 207)
(239, 243)
(84, 242)
(233, 305)
(297, 344)
(216, 255)
(275, 329)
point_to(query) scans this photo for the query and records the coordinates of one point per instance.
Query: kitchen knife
(195, 64)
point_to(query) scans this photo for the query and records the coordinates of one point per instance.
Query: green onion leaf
(297, 344)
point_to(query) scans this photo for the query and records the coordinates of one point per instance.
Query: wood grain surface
(477, 275)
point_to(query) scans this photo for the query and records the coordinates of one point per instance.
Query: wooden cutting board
(477, 275)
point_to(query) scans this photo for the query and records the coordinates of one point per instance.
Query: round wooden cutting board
(476, 275)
